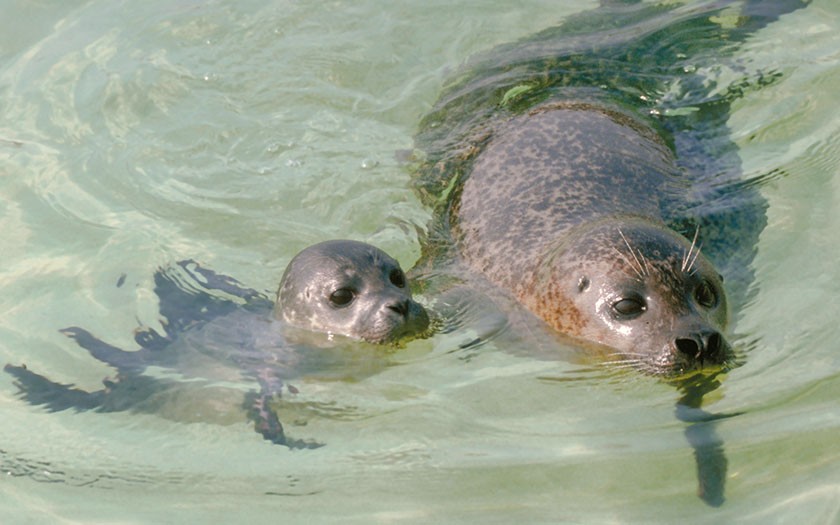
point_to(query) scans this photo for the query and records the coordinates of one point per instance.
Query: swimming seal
(582, 171)
(213, 324)
(562, 208)
(352, 289)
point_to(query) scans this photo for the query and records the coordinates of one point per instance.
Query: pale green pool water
(137, 134)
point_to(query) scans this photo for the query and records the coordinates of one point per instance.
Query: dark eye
(342, 297)
(629, 307)
(705, 295)
(397, 278)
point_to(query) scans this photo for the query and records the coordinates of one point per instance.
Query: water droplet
(369, 164)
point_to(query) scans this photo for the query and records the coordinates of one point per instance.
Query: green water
(137, 134)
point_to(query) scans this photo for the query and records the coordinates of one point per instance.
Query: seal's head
(352, 289)
(638, 290)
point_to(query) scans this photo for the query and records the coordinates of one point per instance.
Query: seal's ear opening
(583, 283)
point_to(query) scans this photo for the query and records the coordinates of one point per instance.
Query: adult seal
(582, 170)
(562, 208)
(351, 289)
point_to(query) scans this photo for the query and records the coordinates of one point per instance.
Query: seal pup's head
(351, 289)
(639, 291)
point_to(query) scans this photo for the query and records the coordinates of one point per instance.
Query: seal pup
(212, 324)
(352, 289)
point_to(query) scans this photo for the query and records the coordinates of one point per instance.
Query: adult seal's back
(589, 172)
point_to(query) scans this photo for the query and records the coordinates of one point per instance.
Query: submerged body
(216, 329)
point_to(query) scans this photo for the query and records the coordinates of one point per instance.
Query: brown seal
(562, 208)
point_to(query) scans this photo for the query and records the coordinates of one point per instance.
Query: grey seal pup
(352, 289)
(216, 328)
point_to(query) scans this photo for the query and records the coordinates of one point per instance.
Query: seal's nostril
(401, 307)
(688, 346)
(705, 346)
(714, 343)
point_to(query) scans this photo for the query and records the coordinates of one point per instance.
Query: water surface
(134, 135)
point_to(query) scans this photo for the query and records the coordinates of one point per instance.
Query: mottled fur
(596, 151)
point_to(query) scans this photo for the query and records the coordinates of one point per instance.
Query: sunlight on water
(136, 135)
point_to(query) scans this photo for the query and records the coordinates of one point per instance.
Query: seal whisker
(621, 362)
(691, 269)
(629, 263)
(645, 267)
(685, 264)
(640, 270)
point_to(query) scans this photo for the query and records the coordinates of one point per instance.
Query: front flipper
(266, 422)
(126, 362)
(38, 390)
(265, 419)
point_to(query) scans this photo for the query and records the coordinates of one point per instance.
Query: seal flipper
(266, 422)
(126, 362)
(56, 397)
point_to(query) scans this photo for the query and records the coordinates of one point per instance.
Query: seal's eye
(629, 307)
(705, 295)
(397, 278)
(342, 297)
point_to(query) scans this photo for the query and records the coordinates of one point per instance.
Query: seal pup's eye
(705, 295)
(342, 297)
(629, 307)
(397, 278)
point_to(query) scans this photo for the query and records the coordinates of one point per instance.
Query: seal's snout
(708, 346)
